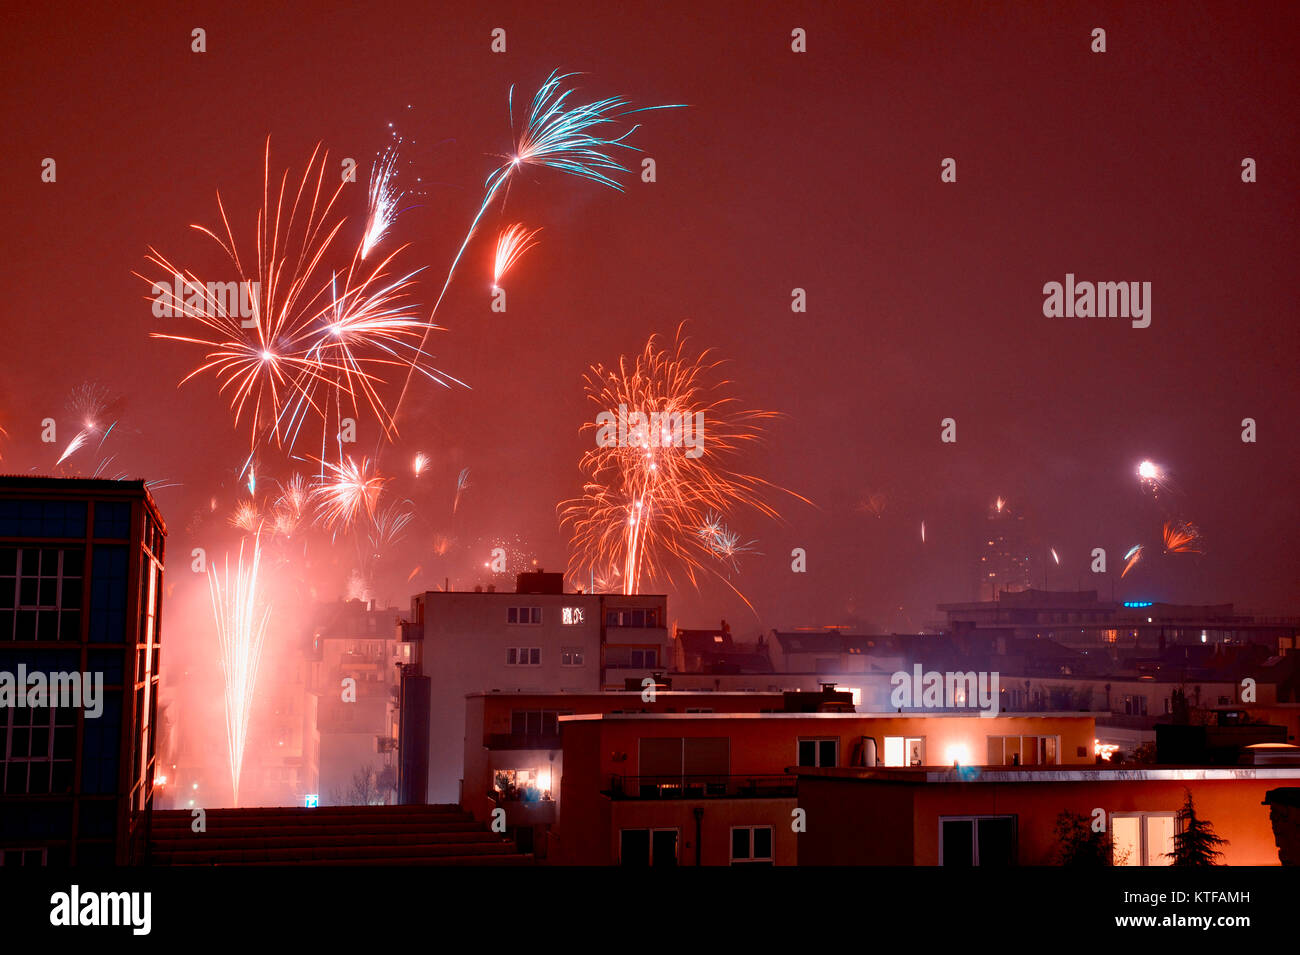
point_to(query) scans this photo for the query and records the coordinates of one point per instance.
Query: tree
(1196, 843)
(1079, 844)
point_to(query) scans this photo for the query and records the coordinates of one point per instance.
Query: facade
(719, 789)
(80, 596)
(1009, 816)
(355, 654)
(1004, 560)
(1080, 619)
(537, 639)
(514, 758)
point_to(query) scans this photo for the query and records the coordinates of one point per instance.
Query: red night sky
(818, 170)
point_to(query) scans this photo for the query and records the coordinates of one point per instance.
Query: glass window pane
(957, 841)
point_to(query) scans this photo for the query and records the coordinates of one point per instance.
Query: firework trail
(384, 198)
(462, 485)
(561, 135)
(241, 624)
(291, 506)
(1131, 560)
(648, 493)
(75, 445)
(512, 243)
(388, 526)
(420, 463)
(873, 502)
(350, 490)
(923, 532)
(1181, 537)
(1055, 557)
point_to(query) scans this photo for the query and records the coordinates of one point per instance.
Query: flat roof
(1041, 774)
(598, 694)
(974, 713)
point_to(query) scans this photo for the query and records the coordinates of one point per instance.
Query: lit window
(571, 616)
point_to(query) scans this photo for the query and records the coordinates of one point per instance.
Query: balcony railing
(522, 741)
(701, 787)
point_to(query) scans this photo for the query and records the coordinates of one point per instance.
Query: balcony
(701, 787)
(522, 741)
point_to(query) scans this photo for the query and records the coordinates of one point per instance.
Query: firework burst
(559, 134)
(649, 492)
(350, 490)
(306, 329)
(1181, 537)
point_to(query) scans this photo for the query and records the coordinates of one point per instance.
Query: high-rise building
(1004, 562)
(80, 606)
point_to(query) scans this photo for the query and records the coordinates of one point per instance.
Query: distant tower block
(1004, 563)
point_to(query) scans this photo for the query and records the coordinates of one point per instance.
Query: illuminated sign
(313, 801)
(1138, 603)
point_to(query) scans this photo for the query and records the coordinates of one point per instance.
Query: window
(113, 519)
(977, 840)
(904, 750)
(1142, 838)
(108, 595)
(1135, 706)
(36, 749)
(42, 519)
(819, 752)
(22, 857)
(631, 658)
(571, 616)
(630, 617)
(646, 847)
(529, 615)
(571, 657)
(523, 656)
(676, 766)
(40, 593)
(536, 722)
(751, 845)
(1023, 750)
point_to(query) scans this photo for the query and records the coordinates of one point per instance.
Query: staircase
(330, 835)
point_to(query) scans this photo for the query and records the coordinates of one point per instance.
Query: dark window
(978, 841)
(42, 519)
(108, 595)
(113, 519)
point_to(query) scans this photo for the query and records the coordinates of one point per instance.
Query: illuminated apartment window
(751, 845)
(529, 615)
(570, 616)
(1023, 750)
(977, 840)
(1142, 838)
(819, 752)
(904, 750)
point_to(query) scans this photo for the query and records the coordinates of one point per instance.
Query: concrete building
(537, 639)
(718, 788)
(1009, 816)
(81, 565)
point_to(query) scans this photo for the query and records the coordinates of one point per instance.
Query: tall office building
(80, 604)
(1004, 562)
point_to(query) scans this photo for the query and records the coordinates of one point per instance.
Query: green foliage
(1196, 843)
(1078, 844)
